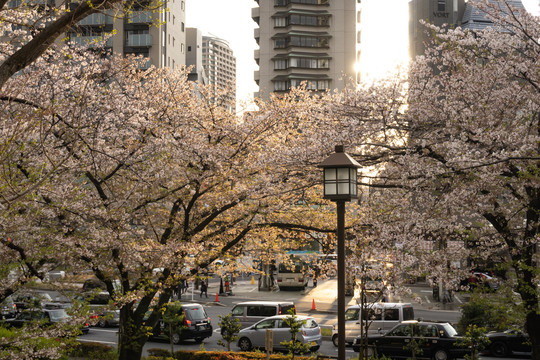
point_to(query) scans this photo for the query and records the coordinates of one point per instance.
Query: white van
(251, 312)
(383, 316)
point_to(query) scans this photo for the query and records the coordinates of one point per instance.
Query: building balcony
(257, 54)
(255, 14)
(96, 20)
(140, 17)
(91, 41)
(139, 40)
(257, 75)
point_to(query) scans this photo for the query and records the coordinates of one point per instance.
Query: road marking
(97, 341)
(458, 299)
(104, 330)
(426, 291)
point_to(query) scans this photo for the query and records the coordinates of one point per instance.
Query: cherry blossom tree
(465, 183)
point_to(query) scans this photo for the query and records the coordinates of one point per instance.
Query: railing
(137, 17)
(139, 40)
(92, 41)
(96, 19)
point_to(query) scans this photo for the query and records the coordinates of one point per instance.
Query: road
(322, 298)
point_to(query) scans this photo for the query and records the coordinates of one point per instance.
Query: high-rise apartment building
(437, 12)
(450, 12)
(159, 36)
(305, 40)
(220, 66)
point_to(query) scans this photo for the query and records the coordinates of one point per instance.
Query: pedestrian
(316, 274)
(184, 285)
(204, 288)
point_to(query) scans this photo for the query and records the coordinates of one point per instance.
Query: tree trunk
(532, 324)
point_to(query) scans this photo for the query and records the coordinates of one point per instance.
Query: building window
(280, 22)
(280, 64)
(281, 86)
(182, 5)
(441, 5)
(182, 26)
(189, 48)
(280, 43)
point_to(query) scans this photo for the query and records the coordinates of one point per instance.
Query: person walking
(204, 288)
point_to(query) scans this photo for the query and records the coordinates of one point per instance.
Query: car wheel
(370, 352)
(176, 338)
(335, 340)
(199, 340)
(440, 354)
(314, 348)
(102, 323)
(498, 349)
(244, 344)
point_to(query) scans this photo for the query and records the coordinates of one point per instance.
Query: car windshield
(58, 315)
(449, 330)
(196, 313)
(351, 314)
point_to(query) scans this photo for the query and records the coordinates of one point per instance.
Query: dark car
(195, 325)
(108, 318)
(95, 291)
(505, 343)
(436, 340)
(30, 299)
(48, 316)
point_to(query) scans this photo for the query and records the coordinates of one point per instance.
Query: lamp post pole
(340, 185)
(340, 204)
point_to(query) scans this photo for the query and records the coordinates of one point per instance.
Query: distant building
(474, 19)
(454, 13)
(219, 64)
(158, 36)
(305, 40)
(194, 57)
(437, 12)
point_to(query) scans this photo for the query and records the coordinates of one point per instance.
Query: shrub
(93, 350)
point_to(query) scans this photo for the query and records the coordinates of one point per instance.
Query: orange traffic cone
(313, 305)
(217, 297)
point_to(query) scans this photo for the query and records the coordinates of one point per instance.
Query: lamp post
(340, 185)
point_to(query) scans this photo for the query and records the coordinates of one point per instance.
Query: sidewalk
(324, 296)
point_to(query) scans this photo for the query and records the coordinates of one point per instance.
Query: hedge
(162, 354)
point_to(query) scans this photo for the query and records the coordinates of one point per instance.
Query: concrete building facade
(305, 40)
(159, 36)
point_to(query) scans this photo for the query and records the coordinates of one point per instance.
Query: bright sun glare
(384, 38)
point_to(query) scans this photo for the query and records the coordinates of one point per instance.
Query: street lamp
(340, 185)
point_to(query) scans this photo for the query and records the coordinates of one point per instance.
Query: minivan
(196, 325)
(251, 312)
(383, 316)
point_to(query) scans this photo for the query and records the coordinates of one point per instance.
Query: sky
(383, 46)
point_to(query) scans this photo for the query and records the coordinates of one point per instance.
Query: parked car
(251, 312)
(8, 309)
(437, 341)
(48, 316)
(254, 336)
(196, 325)
(503, 344)
(381, 316)
(29, 299)
(95, 291)
(108, 318)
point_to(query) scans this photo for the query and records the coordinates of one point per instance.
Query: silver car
(255, 335)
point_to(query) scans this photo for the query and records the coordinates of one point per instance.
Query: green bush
(493, 311)
(216, 355)
(93, 350)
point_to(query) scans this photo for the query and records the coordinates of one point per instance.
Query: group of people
(182, 288)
